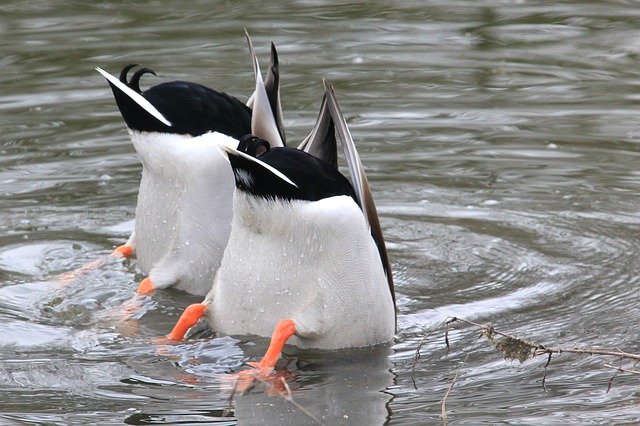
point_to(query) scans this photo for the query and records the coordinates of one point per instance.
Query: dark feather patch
(314, 178)
(253, 145)
(193, 109)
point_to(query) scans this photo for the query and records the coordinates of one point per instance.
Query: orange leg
(133, 305)
(284, 330)
(124, 250)
(188, 319)
(146, 286)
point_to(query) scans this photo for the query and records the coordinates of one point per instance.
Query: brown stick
(416, 356)
(443, 402)
(539, 349)
(516, 348)
(622, 370)
(289, 397)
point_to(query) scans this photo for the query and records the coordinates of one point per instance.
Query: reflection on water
(501, 141)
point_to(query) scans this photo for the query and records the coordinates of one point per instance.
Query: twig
(229, 408)
(544, 376)
(622, 370)
(515, 348)
(538, 349)
(416, 356)
(443, 402)
(446, 335)
(610, 382)
(289, 397)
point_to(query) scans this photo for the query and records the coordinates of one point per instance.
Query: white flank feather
(183, 216)
(313, 262)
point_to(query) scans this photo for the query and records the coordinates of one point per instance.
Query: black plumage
(192, 109)
(314, 178)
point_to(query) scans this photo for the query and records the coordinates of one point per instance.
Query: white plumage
(311, 261)
(184, 208)
(306, 261)
(183, 215)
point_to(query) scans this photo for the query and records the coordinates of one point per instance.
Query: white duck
(306, 262)
(183, 214)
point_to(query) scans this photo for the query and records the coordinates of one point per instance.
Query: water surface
(501, 141)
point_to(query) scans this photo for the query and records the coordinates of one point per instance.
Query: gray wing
(264, 120)
(321, 142)
(331, 109)
(272, 86)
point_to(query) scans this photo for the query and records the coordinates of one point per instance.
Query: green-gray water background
(501, 139)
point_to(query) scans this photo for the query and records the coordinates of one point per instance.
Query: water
(500, 138)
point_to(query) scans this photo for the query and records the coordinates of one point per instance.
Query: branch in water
(515, 348)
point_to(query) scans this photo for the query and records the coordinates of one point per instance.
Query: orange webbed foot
(273, 380)
(146, 287)
(262, 370)
(125, 250)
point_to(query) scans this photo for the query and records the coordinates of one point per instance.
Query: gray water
(501, 139)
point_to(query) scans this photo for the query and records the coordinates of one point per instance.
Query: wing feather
(359, 180)
(263, 120)
(321, 142)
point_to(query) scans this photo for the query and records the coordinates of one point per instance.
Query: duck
(306, 262)
(184, 207)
